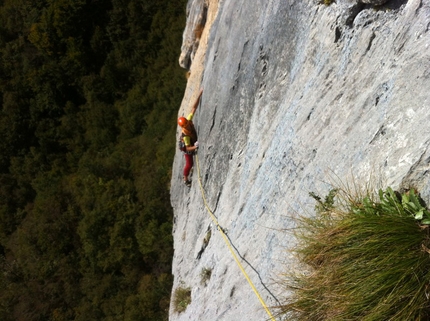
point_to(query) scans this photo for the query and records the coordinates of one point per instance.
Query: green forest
(90, 91)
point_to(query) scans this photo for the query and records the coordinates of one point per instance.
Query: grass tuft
(367, 259)
(327, 2)
(205, 276)
(182, 298)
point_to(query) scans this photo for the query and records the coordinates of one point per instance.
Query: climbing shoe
(187, 183)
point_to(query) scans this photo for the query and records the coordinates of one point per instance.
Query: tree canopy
(89, 96)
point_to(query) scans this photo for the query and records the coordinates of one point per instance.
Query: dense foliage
(89, 95)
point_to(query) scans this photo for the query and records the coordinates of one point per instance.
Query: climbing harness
(220, 229)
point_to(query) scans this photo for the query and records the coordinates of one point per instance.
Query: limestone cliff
(296, 93)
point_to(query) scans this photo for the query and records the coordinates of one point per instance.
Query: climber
(188, 141)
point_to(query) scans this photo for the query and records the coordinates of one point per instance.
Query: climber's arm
(188, 146)
(196, 103)
(191, 148)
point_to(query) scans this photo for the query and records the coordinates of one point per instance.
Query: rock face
(196, 20)
(298, 96)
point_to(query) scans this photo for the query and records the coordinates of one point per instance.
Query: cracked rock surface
(297, 96)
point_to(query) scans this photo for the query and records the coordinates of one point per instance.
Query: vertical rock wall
(297, 95)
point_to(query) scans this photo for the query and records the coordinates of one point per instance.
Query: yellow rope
(229, 245)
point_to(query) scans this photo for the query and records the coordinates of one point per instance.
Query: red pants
(188, 164)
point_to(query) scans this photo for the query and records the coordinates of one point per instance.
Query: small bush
(182, 298)
(205, 275)
(327, 2)
(367, 259)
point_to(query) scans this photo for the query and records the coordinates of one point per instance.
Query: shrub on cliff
(182, 298)
(366, 258)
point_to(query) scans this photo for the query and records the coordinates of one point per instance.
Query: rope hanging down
(229, 245)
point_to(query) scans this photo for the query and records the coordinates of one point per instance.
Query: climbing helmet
(182, 121)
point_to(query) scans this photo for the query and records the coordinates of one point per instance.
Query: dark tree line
(89, 96)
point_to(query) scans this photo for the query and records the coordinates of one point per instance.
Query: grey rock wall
(298, 96)
(196, 13)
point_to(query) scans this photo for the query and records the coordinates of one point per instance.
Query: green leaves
(408, 203)
(412, 203)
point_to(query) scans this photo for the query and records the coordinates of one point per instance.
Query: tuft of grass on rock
(205, 276)
(327, 2)
(182, 298)
(367, 259)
